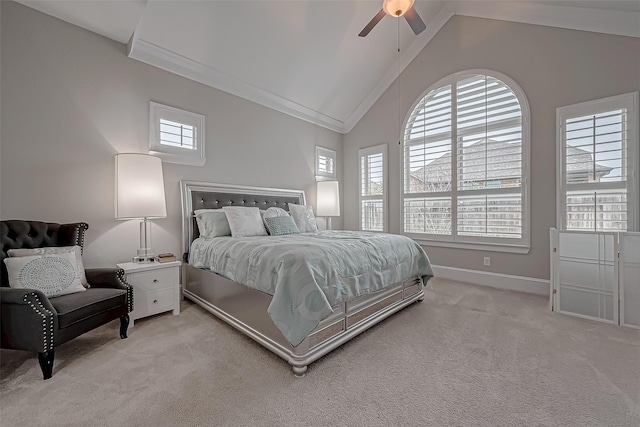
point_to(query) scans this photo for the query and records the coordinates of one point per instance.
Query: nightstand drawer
(160, 300)
(150, 281)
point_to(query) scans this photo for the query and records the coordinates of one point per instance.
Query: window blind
(177, 134)
(463, 161)
(372, 188)
(595, 171)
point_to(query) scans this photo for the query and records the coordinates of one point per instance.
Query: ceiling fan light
(397, 8)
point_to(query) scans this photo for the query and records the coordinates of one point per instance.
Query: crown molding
(607, 21)
(157, 56)
(576, 18)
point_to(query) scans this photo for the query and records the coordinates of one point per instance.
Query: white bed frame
(246, 309)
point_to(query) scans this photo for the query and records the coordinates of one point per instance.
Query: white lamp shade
(139, 187)
(328, 199)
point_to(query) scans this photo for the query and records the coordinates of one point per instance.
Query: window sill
(490, 247)
(190, 160)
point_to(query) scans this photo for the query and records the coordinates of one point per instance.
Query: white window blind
(373, 184)
(597, 165)
(466, 162)
(176, 135)
(325, 162)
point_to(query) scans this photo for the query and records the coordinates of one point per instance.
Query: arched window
(466, 162)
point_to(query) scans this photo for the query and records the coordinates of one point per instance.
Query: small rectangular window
(175, 135)
(325, 163)
(373, 188)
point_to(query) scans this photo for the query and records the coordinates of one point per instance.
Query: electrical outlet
(487, 261)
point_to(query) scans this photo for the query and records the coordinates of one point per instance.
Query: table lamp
(328, 200)
(140, 195)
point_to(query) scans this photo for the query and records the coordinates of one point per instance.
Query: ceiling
(303, 57)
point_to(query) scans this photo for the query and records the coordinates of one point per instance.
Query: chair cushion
(76, 307)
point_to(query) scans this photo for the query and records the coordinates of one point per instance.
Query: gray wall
(72, 99)
(555, 67)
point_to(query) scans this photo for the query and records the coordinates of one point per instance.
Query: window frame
(453, 240)
(328, 153)
(626, 100)
(172, 154)
(365, 152)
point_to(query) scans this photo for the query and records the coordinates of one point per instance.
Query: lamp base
(145, 253)
(145, 259)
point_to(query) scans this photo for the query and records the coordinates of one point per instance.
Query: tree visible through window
(465, 162)
(598, 145)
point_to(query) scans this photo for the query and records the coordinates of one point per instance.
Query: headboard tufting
(204, 195)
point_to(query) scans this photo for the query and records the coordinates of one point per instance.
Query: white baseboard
(495, 280)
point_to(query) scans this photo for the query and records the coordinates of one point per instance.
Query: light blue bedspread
(309, 273)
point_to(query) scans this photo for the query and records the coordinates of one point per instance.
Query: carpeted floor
(466, 356)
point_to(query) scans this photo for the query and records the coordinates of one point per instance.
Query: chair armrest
(105, 278)
(110, 278)
(29, 321)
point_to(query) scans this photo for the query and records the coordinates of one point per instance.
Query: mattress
(308, 273)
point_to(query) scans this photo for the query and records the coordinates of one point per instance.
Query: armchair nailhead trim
(80, 229)
(47, 319)
(121, 277)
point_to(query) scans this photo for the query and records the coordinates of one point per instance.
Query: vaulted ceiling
(305, 58)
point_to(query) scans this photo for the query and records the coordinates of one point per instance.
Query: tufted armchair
(33, 322)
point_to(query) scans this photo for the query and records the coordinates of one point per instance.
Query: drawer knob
(155, 280)
(155, 301)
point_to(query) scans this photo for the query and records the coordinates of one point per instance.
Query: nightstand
(156, 287)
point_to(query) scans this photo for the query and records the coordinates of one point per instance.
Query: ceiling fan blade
(372, 23)
(415, 22)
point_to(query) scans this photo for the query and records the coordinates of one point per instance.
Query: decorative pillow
(212, 222)
(53, 250)
(281, 225)
(274, 212)
(52, 274)
(303, 217)
(244, 221)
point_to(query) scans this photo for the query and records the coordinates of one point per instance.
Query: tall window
(597, 165)
(176, 135)
(466, 157)
(373, 188)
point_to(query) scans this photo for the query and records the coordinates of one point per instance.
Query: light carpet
(466, 356)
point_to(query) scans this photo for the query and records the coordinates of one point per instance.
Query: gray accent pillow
(53, 250)
(281, 225)
(212, 223)
(52, 274)
(303, 217)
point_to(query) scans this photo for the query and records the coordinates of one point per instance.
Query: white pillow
(212, 223)
(52, 250)
(244, 221)
(52, 274)
(303, 217)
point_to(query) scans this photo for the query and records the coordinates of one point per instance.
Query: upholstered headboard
(205, 195)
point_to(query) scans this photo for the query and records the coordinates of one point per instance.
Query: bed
(248, 310)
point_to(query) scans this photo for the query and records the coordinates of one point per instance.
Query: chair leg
(124, 324)
(46, 363)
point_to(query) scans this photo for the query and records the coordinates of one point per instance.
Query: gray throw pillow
(281, 225)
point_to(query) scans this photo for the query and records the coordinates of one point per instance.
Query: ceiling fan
(397, 8)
